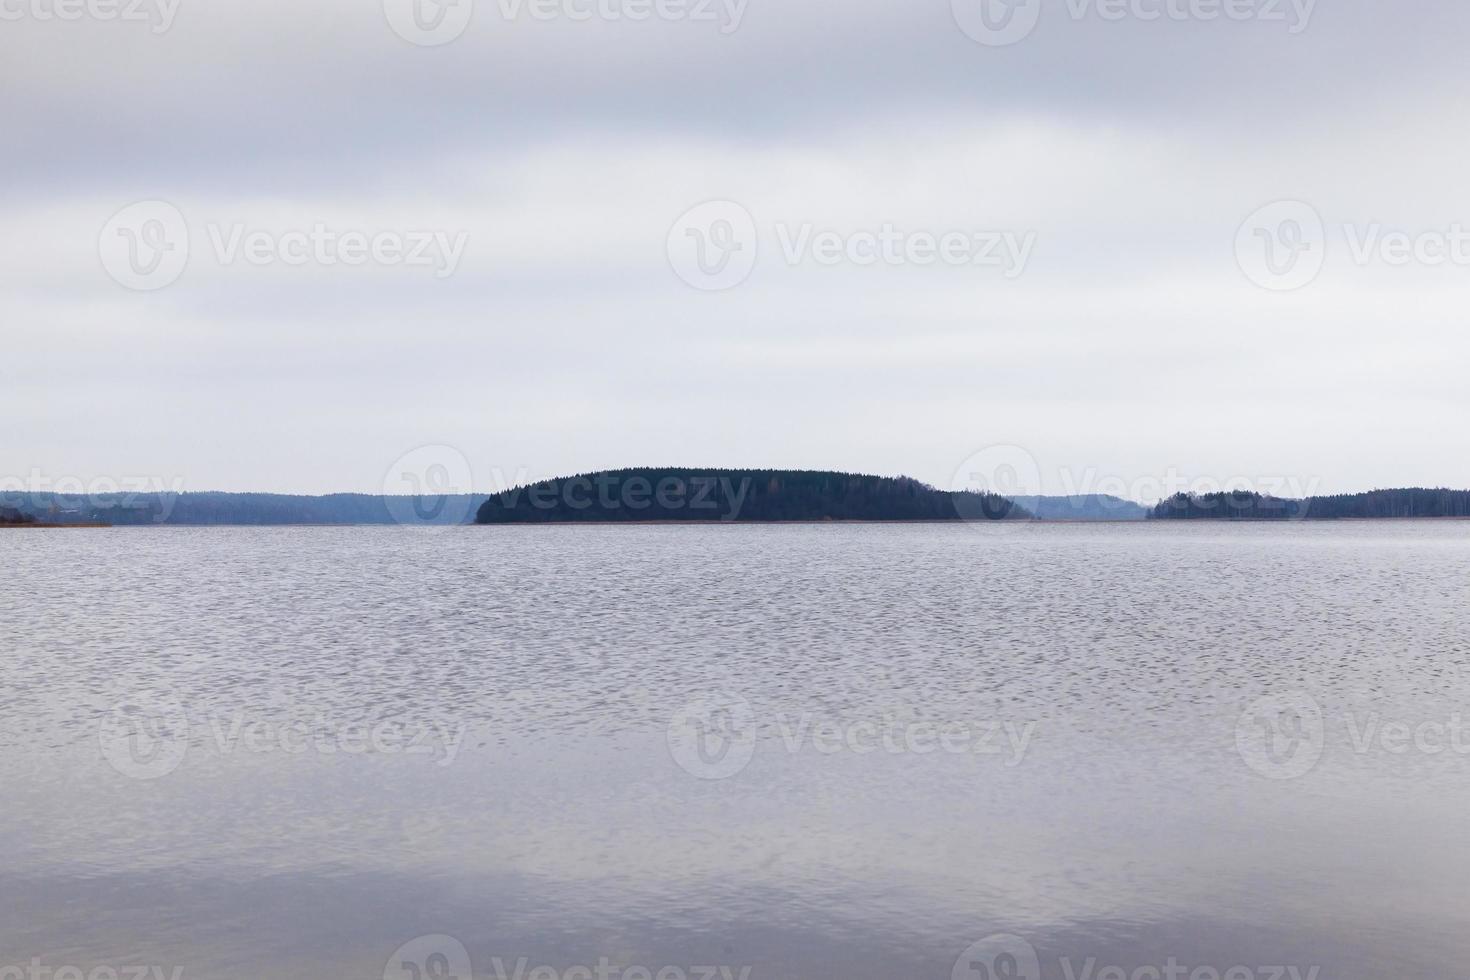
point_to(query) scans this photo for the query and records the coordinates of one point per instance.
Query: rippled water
(812, 751)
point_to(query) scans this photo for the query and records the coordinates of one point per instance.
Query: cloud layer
(562, 148)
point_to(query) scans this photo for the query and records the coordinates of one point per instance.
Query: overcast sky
(1035, 228)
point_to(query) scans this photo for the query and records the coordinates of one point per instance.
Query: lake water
(793, 752)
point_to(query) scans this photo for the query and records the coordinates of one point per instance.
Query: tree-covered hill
(688, 495)
(1083, 507)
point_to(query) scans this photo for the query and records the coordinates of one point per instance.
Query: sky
(1123, 246)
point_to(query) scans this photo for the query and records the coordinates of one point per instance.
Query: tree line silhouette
(1241, 505)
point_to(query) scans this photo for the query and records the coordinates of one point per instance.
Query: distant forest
(686, 495)
(1375, 504)
(130, 509)
(1083, 507)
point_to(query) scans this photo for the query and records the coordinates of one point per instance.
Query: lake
(665, 753)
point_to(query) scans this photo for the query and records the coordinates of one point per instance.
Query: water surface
(289, 752)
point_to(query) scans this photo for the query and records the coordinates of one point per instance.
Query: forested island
(728, 496)
(1373, 505)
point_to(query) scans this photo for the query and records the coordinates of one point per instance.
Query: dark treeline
(1375, 504)
(736, 495)
(1237, 505)
(1414, 502)
(130, 509)
(11, 515)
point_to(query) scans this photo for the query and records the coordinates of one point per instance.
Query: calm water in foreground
(805, 752)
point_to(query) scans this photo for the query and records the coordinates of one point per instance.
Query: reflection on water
(810, 751)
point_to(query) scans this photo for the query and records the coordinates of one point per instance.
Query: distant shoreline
(704, 497)
(55, 527)
(1328, 521)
